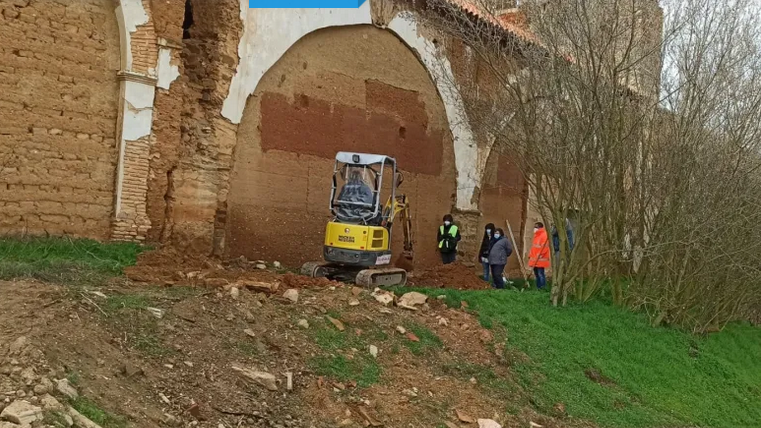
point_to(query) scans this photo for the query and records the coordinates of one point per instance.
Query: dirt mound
(454, 275)
(168, 267)
(291, 280)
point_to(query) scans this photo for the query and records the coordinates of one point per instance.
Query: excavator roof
(363, 158)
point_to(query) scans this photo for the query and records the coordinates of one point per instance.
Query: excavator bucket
(405, 261)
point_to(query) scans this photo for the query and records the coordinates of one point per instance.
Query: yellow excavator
(357, 244)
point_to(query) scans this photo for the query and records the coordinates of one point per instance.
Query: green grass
(64, 260)
(92, 411)
(125, 301)
(656, 380)
(362, 368)
(55, 419)
(428, 340)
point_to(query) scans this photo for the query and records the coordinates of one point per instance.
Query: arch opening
(357, 88)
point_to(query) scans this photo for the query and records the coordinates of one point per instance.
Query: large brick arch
(268, 33)
(341, 88)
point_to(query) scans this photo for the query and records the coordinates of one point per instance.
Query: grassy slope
(63, 259)
(658, 381)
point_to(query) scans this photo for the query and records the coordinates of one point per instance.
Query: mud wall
(58, 111)
(169, 19)
(503, 199)
(356, 88)
(196, 194)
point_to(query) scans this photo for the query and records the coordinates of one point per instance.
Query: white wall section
(138, 110)
(167, 72)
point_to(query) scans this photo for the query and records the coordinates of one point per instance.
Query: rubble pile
(32, 393)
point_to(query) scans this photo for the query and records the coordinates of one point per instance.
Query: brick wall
(131, 221)
(143, 45)
(58, 112)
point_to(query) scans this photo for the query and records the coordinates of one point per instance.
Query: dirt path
(174, 356)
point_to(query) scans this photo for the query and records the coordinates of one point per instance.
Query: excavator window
(356, 201)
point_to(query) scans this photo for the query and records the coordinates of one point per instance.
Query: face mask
(497, 235)
(536, 229)
(488, 231)
(447, 223)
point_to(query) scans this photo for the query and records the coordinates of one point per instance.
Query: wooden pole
(517, 253)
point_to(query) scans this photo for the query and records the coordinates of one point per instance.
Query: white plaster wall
(167, 72)
(269, 33)
(137, 120)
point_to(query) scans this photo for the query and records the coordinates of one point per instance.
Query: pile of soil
(454, 275)
(290, 280)
(168, 267)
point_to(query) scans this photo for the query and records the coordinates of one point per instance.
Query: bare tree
(660, 171)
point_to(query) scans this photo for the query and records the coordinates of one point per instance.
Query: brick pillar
(134, 137)
(469, 223)
(131, 221)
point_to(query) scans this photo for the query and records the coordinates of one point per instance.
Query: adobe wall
(59, 97)
(130, 129)
(169, 104)
(196, 193)
(503, 196)
(357, 88)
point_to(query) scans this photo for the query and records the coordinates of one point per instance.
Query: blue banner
(305, 4)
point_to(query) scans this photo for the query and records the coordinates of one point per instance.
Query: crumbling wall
(169, 105)
(58, 110)
(209, 58)
(356, 88)
(137, 95)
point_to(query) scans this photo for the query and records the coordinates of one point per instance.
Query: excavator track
(381, 277)
(374, 277)
(314, 269)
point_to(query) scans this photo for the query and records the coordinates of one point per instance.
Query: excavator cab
(365, 204)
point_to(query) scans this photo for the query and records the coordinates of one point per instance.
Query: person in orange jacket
(539, 256)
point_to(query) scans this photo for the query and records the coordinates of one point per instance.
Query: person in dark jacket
(448, 237)
(485, 247)
(498, 254)
(556, 238)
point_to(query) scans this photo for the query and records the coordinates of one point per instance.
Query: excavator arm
(399, 209)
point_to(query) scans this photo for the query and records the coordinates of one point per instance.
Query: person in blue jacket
(498, 254)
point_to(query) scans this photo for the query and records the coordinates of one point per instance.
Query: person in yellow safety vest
(448, 237)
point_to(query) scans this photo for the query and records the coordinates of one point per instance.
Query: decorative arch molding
(269, 33)
(138, 80)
